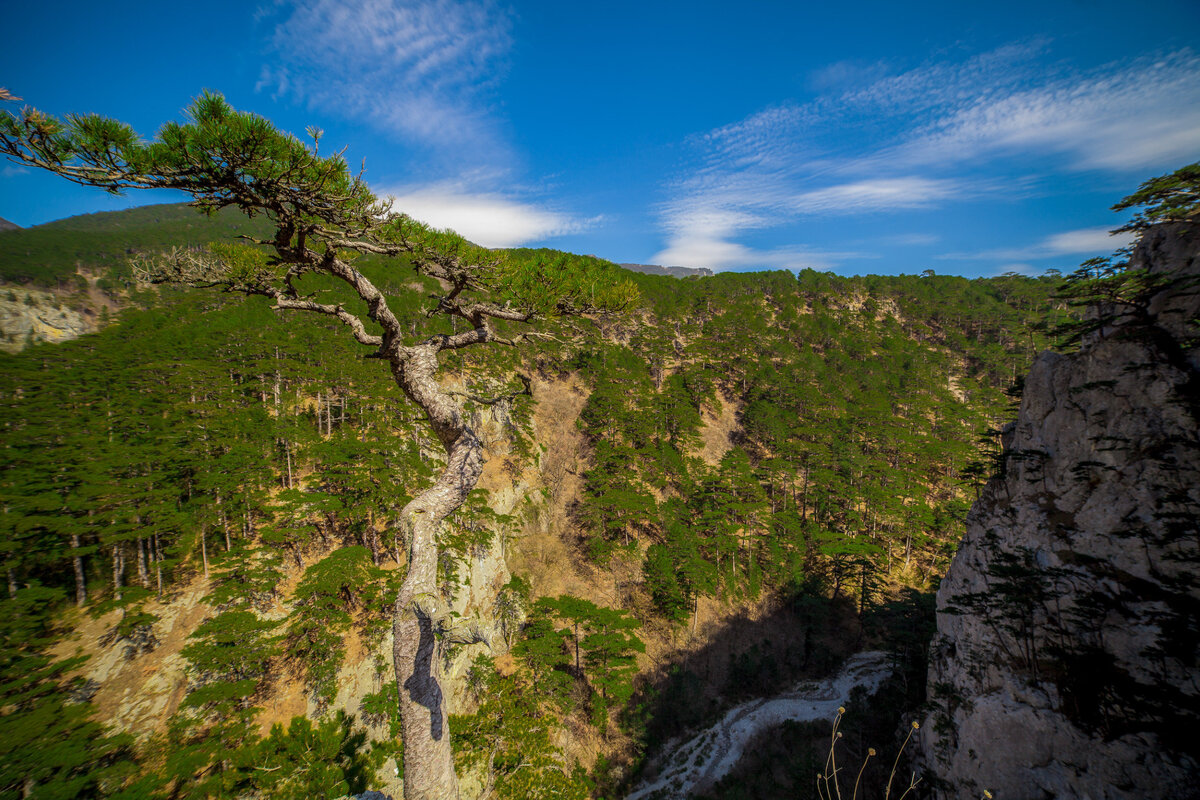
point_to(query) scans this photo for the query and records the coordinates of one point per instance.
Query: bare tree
(322, 217)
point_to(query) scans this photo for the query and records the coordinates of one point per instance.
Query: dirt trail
(692, 767)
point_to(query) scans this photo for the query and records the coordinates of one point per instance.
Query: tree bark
(224, 522)
(117, 570)
(158, 561)
(204, 550)
(287, 451)
(420, 610)
(80, 578)
(143, 574)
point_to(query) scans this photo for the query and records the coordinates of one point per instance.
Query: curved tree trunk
(421, 610)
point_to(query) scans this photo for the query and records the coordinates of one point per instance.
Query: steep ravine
(1065, 663)
(691, 767)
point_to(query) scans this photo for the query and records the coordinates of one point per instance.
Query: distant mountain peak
(5, 225)
(674, 272)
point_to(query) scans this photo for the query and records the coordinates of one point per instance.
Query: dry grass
(139, 695)
(541, 551)
(718, 429)
(287, 698)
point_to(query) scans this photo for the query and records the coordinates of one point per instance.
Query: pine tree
(323, 218)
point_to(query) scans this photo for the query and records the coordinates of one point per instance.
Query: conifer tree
(323, 218)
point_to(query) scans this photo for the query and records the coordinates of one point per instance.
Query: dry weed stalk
(828, 787)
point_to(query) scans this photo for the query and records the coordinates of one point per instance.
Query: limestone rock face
(1066, 659)
(28, 316)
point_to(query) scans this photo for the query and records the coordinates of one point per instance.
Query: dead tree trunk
(143, 573)
(118, 569)
(80, 578)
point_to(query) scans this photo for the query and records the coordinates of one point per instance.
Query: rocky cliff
(28, 316)
(1066, 659)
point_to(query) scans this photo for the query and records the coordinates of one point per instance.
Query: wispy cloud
(719, 254)
(1086, 240)
(701, 234)
(941, 84)
(940, 132)
(1130, 116)
(714, 209)
(423, 71)
(419, 69)
(913, 239)
(491, 219)
(876, 195)
(1020, 268)
(11, 170)
(1081, 242)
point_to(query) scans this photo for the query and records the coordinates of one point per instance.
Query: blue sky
(867, 137)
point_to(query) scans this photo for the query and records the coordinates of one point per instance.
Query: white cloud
(700, 236)
(714, 208)
(486, 218)
(920, 138)
(1131, 116)
(942, 84)
(718, 254)
(417, 68)
(1019, 268)
(913, 239)
(843, 74)
(12, 170)
(1086, 240)
(883, 194)
(425, 71)
(1083, 241)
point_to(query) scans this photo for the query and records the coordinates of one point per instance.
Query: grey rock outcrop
(674, 272)
(28, 316)
(1066, 659)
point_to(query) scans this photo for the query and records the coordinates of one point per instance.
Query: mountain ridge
(674, 272)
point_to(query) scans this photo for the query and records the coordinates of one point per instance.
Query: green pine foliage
(51, 748)
(579, 653)
(210, 436)
(52, 254)
(861, 402)
(334, 592)
(328, 759)
(509, 741)
(1167, 198)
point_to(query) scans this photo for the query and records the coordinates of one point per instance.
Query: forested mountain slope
(63, 279)
(199, 486)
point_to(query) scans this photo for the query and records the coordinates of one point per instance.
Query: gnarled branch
(356, 325)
